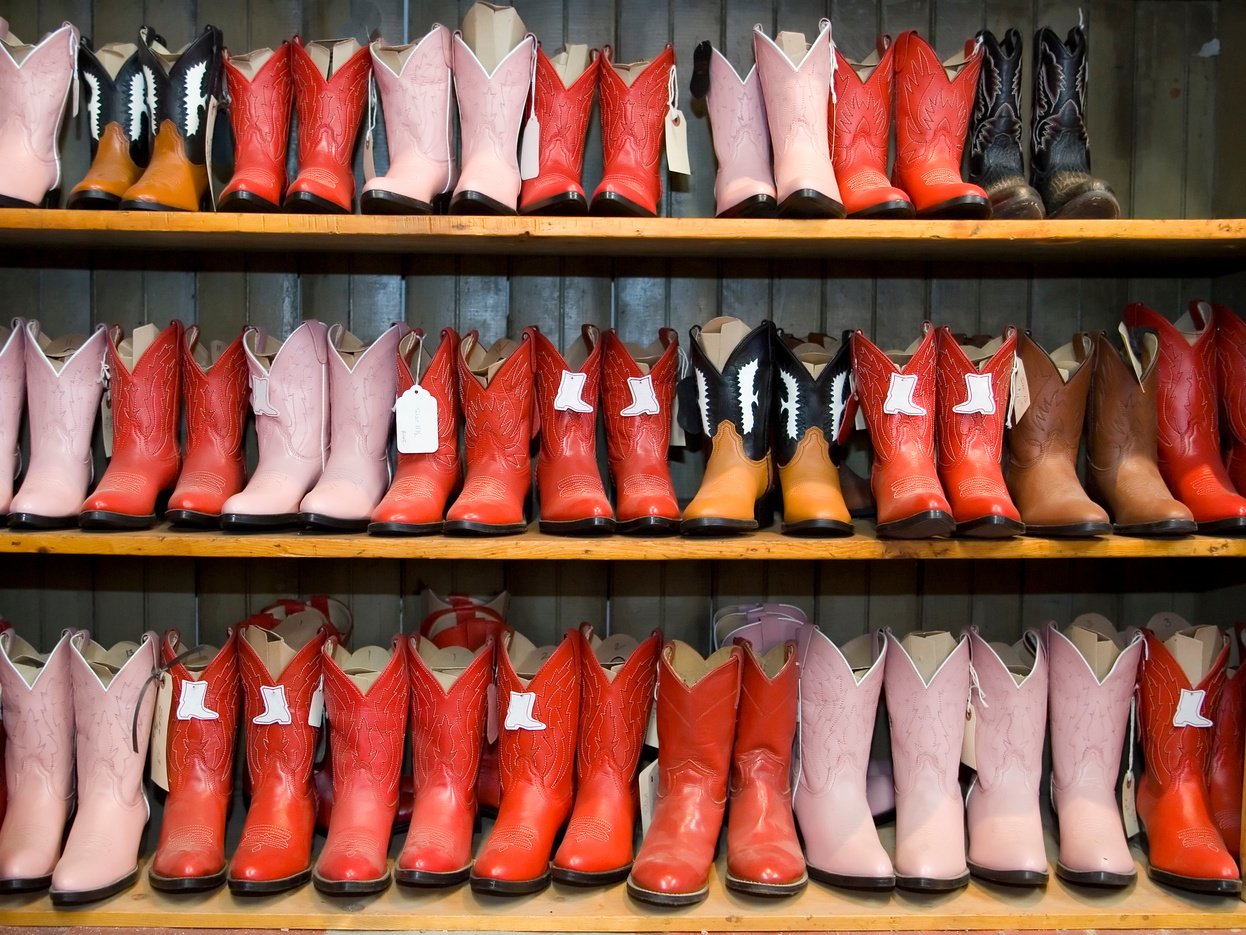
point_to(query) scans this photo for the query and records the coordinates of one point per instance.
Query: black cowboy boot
(995, 160)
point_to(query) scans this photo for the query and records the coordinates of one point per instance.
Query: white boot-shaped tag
(979, 396)
(644, 400)
(416, 421)
(276, 710)
(899, 401)
(1189, 711)
(570, 395)
(676, 131)
(259, 397)
(192, 703)
(519, 713)
(315, 712)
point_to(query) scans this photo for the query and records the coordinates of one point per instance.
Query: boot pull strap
(156, 675)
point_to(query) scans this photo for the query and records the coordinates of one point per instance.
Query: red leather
(567, 475)
(860, 134)
(637, 444)
(330, 113)
(200, 758)
(538, 771)
(498, 420)
(614, 714)
(447, 735)
(259, 113)
(214, 468)
(145, 406)
(1189, 441)
(563, 114)
(971, 444)
(932, 122)
(1228, 748)
(367, 732)
(1231, 360)
(633, 129)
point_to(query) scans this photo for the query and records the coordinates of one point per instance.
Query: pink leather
(12, 395)
(741, 134)
(1005, 825)
(766, 630)
(103, 843)
(293, 433)
(1088, 721)
(418, 117)
(836, 727)
(491, 109)
(34, 92)
(38, 759)
(361, 399)
(61, 407)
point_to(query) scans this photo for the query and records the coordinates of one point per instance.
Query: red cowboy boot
(763, 854)
(366, 694)
(638, 393)
(1228, 746)
(145, 385)
(539, 712)
(899, 408)
(449, 702)
(572, 498)
(200, 754)
(972, 404)
(1183, 844)
(498, 419)
(1231, 358)
(217, 398)
(633, 118)
(416, 500)
(331, 88)
(860, 132)
(562, 111)
(932, 122)
(260, 89)
(616, 695)
(1189, 434)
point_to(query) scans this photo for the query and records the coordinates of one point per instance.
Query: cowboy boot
(811, 393)
(932, 120)
(283, 706)
(1231, 360)
(356, 474)
(423, 481)
(12, 396)
(35, 85)
(491, 95)
(449, 701)
(732, 369)
(1060, 149)
(64, 382)
(763, 854)
(496, 395)
(1179, 684)
(180, 86)
(973, 404)
(1188, 417)
(414, 81)
(1122, 472)
(366, 695)
(539, 713)
(330, 90)
(635, 99)
(995, 160)
(1010, 718)
(744, 186)
(260, 89)
(926, 680)
(562, 96)
(696, 721)
(1228, 747)
(573, 501)
(897, 398)
(214, 381)
(765, 626)
(637, 394)
(617, 678)
(200, 754)
(38, 760)
(1092, 676)
(118, 121)
(144, 385)
(860, 111)
(839, 691)
(290, 399)
(1041, 468)
(112, 715)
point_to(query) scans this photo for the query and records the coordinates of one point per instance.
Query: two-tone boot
(1231, 368)
(1228, 749)
(562, 100)
(260, 89)
(995, 160)
(12, 399)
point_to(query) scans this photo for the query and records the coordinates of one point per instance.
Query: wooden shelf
(532, 544)
(1125, 241)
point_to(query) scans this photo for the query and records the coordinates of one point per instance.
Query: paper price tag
(1129, 351)
(530, 149)
(648, 795)
(106, 422)
(677, 142)
(1129, 805)
(315, 711)
(1019, 395)
(651, 732)
(491, 714)
(159, 746)
(416, 419)
(968, 756)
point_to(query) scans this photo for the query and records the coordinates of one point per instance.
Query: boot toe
(670, 877)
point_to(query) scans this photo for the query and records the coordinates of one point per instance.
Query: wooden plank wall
(1153, 117)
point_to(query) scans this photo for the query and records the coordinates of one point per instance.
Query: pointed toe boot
(12, 403)
(562, 96)
(261, 89)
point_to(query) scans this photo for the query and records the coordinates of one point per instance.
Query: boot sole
(885, 211)
(106, 519)
(810, 204)
(850, 882)
(1019, 208)
(27, 885)
(666, 899)
(649, 526)
(379, 202)
(818, 528)
(149, 206)
(493, 887)
(427, 878)
(926, 525)
(612, 205)
(404, 529)
(716, 526)
(594, 878)
(257, 522)
(350, 887)
(93, 201)
(772, 890)
(268, 887)
(318, 522)
(1009, 877)
(462, 527)
(186, 884)
(9, 202)
(1163, 527)
(755, 206)
(35, 521)
(1195, 884)
(1236, 526)
(307, 203)
(243, 202)
(932, 884)
(193, 518)
(589, 526)
(964, 208)
(82, 897)
(568, 204)
(990, 527)
(477, 203)
(1090, 206)
(1094, 877)
(1069, 531)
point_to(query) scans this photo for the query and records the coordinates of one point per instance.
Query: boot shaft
(862, 111)
(803, 401)
(633, 113)
(361, 385)
(1058, 139)
(116, 92)
(415, 86)
(38, 716)
(697, 703)
(63, 389)
(898, 401)
(932, 110)
(203, 725)
(439, 378)
(614, 710)
(498, 417)
(538, 716)
(145, 394)
(1052, 425)
(766, 717)
(35, 84)
(927, 712)
(637, 401)
(180, 85)
(289, 390)
(734, 386)
(216, 397)
(1231, 364)
(739, 127)
(331, 85)
(491, 104)
(563, 112)
(1010, 712)
(366, 698)
(449, 704)
(261, 91)
(566, 399)
(973, 400)
(995, 139)
(795, 94)
(1121, 410)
